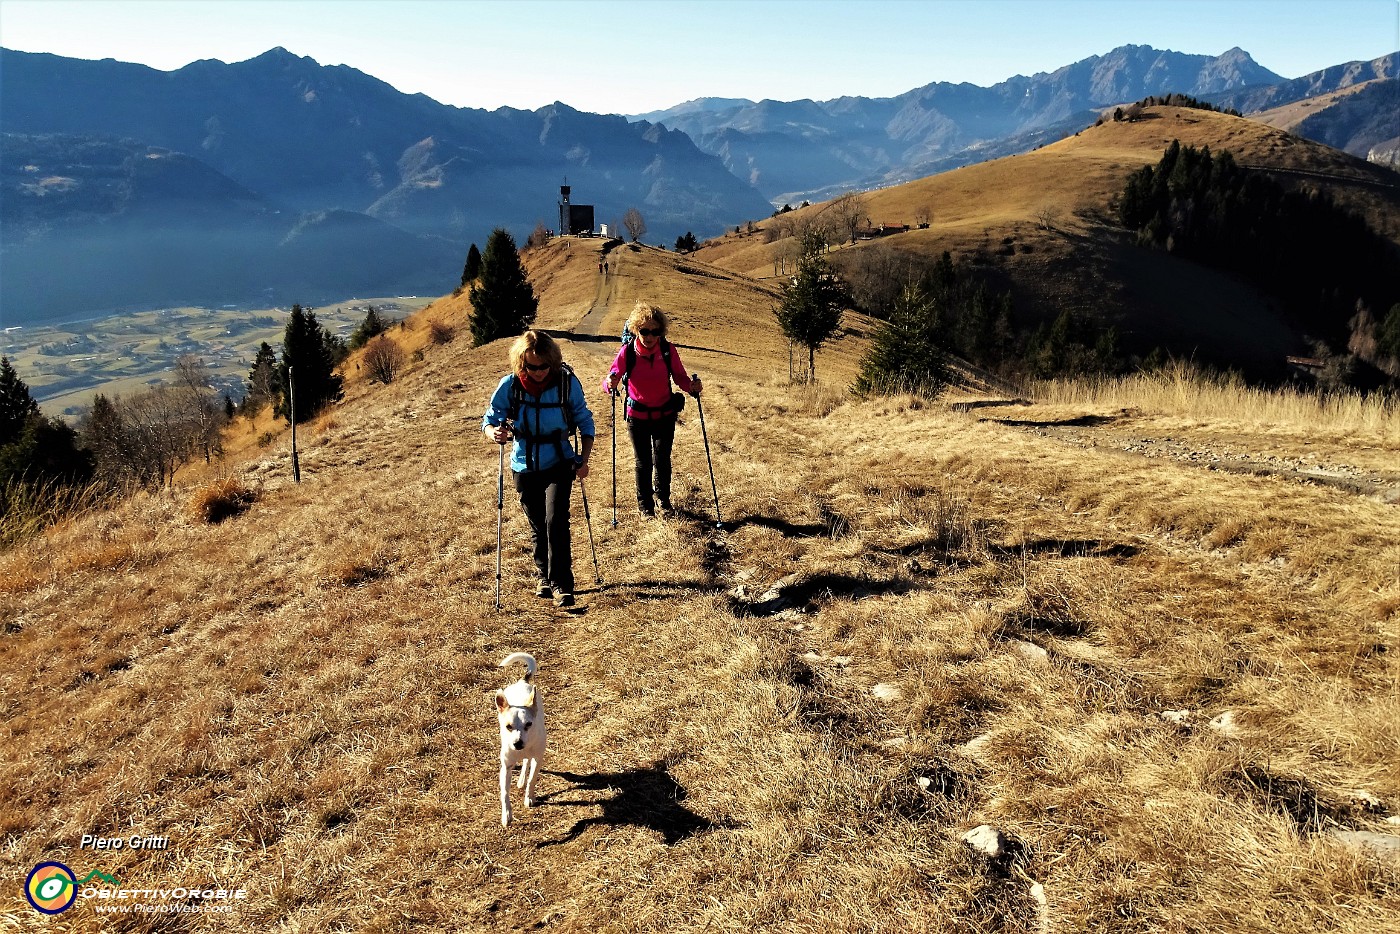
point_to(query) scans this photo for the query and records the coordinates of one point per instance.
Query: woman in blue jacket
(540, 405)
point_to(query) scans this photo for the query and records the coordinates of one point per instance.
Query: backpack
(519, 397)
(671, 406)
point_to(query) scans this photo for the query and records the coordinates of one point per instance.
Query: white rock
(975, 747)
(1179, 717)
(840, 661)
(1226, 724)
(1384, 845)
(887, 692)
(813, 657)
(894, 742)
(1029, 651)
(985, 840)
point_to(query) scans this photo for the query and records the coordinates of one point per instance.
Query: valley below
(66, 364)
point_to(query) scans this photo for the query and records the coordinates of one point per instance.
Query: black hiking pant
(544, 495)
(651, 449)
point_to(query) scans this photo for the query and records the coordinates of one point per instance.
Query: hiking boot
(544, 590)
(563, 599)
(665, 508)
(647, 511)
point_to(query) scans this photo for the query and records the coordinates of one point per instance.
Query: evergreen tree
(17, 406)
(1388, 337)
(473, 267)
(372, 326)
(308, 353)
(810, 310)
(503, 302)
(32, 447)
(908, 352)
(264, 381)
(687, 243)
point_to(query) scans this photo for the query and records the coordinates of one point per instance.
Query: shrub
(441, 333)
(220, 500)
(383, 359)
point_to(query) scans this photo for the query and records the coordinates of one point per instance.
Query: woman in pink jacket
(648, 365)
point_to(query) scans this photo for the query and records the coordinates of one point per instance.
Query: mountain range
(814, 150)
(283, 180)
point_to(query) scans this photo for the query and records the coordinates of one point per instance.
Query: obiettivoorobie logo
(52, 887)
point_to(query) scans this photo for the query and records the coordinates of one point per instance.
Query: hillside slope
(915, 621)
(1043, 225)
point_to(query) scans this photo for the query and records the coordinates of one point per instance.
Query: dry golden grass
(1043, 225)
(300, 697)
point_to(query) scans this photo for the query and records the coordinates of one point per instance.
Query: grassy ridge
(979, 623)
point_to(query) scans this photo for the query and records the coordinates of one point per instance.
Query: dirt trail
(1334, 464)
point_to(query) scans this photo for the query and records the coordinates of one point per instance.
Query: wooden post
(292, 404)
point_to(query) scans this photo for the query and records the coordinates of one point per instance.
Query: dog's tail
(525, 658)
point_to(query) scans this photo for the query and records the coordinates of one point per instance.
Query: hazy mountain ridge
(881, 140)
(96, 223)
(234, 144)
(333, 139)
(1250, 100)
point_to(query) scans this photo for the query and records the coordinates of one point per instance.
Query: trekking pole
(700, 407)
(500, 509)
(614, 454)
(588, 520)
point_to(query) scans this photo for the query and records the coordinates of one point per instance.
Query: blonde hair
(643, 312)
(541, 344)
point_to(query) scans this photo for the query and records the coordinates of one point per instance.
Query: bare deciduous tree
(200, 402)
(633, 223)
(849, 211)
(538, 237)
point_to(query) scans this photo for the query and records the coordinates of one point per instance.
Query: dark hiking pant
(544, 495)
(651, 449)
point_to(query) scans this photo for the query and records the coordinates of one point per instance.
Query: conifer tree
(308, 351)
(372, 326)
(503, 302)
(908, 352)
(264, 381)
(473, 267)
(17, 406)
(810, 310)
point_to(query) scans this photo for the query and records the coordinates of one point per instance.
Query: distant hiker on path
(540, 405)
(647, 365)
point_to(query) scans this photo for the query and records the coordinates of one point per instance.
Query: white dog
(521, 717)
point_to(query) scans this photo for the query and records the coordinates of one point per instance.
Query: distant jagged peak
(280, 54)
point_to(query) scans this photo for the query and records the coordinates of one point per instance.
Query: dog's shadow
(648, 797)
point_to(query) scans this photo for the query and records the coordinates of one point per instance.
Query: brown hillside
(1043, 224)
(1288, 116)
(1170, 694)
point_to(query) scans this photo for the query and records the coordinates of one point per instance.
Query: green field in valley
(65, 365)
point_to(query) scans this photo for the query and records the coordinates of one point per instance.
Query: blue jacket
(541, 441)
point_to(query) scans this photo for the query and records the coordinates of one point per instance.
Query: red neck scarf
(535, 386)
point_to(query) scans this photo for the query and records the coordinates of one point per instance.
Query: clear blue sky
(633, 56)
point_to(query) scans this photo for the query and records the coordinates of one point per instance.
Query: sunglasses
(650, 332)
(536, 367)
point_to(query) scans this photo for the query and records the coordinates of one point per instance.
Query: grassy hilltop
(1043, 225)
(1168, 686)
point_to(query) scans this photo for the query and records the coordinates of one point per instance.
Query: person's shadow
(648, 797)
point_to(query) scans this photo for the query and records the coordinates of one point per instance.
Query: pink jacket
(649, 383)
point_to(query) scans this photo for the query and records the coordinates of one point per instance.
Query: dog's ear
(501, 704)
